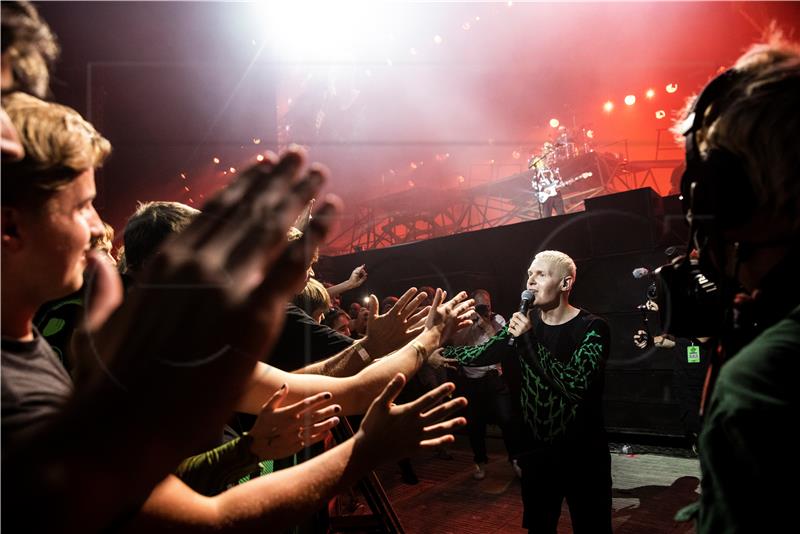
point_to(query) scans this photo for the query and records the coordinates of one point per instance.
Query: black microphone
(526, 299)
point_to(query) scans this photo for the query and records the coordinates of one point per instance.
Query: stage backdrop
(615, 235)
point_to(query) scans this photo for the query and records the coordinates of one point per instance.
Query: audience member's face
(58, 236)
(342, 324)
(545, 283)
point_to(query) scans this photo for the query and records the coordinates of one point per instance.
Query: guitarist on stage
(546, 185)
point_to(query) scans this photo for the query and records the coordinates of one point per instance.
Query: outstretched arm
(355, 393)
(487, 353)
(385, 333)
(282, 499)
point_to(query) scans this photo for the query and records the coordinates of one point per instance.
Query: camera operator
(741, 195)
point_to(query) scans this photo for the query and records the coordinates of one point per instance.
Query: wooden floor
(647, 491)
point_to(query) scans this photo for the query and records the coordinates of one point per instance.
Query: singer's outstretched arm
(487, 353)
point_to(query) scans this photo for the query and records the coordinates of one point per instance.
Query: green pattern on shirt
(551, 389)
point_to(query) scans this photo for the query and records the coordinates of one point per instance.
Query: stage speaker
(624, 222)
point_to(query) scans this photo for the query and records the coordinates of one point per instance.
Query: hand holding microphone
(520, 323)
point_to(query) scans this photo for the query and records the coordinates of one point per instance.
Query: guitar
(552, 190)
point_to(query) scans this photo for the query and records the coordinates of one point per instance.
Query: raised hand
(282, 431)
(449, 317)
(437, 360)
(357, 277)
(399, 325)
(211, 303)
(390, 431)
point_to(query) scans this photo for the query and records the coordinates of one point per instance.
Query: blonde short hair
(561, 264)
(314, 298)
(59, 145)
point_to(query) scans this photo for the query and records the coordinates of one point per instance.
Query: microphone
(526, 299)
(640, 272)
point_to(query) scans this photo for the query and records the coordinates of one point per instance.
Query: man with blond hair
(562, 352)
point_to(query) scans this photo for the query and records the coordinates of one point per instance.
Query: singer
(562, 352)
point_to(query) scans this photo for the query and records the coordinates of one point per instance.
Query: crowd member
(28, 50)
(562, 352)
(314, 300)
(57, 320)
(338, 320)
(356, 279)
(150, 398)
(484, 387)
(742, 199)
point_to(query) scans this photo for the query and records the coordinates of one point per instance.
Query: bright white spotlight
(650, 93)
(608, 106)
(315, 30)
(660, 114)
(672, 87)
(590, 134)
(554, 123)
(630, 100)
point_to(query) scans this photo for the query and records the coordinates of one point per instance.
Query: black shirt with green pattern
(562, 376)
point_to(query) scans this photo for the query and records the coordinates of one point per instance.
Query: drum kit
(546, 164)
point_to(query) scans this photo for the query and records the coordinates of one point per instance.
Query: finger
(287, 271)
(465, 307)
(444, 427)
(458, 299)
(403, 301)
(373, 306)
(444, 410)
(314, 438)
(412, 306)
(104, 291)
(430, 398)
(277, 398)
(320, 427)
(437, 298)
(419, 315)
(391, 391)
(310, 418)
(309, 403)
(266, 226)
(430, 443)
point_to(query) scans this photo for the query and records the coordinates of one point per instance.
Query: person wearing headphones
(741, 194)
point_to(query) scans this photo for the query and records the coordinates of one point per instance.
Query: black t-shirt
(35, 386)
(568, 364)
(304, 341)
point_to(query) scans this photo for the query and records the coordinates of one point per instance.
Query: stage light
(260, 157)
(186, 188)
(461, 179)
(437, 39)
(216, 161)
(590, 134)
(554, 123)
(630, 100)
(411, 183)
(232, 169)
(183, 176)
(660, 114)
(672, 87)
(413, 165)
(515, 154)
(608, 106)
(256, 141)
(314, 30)
(650, 93)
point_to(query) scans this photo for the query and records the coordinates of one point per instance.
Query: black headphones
(716, 188)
